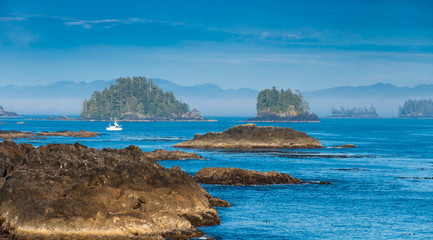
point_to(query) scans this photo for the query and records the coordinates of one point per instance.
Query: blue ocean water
(381, 190)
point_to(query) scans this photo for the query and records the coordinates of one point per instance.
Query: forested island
(136, 99)
(422, 108)
(3, 113)
(356, 112)
(282, 106)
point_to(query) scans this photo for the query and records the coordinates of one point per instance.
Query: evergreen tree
(136, 95)
(360, 112)
(280, 101)
(422, 108)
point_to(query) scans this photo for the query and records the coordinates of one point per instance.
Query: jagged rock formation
(65, 133)
(3, 113)
(64, 191)
(249, 136)
(237, 176)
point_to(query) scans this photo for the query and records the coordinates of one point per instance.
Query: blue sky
(305, 45)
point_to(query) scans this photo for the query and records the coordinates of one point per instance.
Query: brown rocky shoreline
(65, 191)
(249, 136)
(237, 176)
(65, 133)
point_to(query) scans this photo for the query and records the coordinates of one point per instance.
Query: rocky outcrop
(3, 113)
(237, 176)
(64, 191)
(15, 134)
(65, 133)
(249, 136)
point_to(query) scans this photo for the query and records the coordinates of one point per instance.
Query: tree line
(281, 101)
(355, 112)
(422, 108)
(137, 95)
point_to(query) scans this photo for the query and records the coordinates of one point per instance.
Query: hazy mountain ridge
(375, 90)
(385, 97)
(60, 89)
(203, 90)
(66, 97)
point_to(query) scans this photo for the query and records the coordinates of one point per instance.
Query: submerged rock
(249, 136)
(345, 146)
(64, 191)
(237, 176)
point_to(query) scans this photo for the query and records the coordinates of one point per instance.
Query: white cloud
(116, 22)
(11, 19)
(108, 23)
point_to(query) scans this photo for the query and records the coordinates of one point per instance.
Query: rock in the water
(64, 191)
(66, 133)
(345, 146)
(15, 134)
(237, 176)
(249, 136)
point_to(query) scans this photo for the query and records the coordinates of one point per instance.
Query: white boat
(114, 127)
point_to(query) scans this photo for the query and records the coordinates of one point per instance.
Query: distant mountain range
(383, 96)
(66, 97)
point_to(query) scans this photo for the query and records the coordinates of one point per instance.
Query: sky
(305, 45)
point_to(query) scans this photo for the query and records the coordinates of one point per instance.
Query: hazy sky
(304, 45)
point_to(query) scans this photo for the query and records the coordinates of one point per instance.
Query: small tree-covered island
(422, 108)
(356, 112)
(282, 106)
(136, 99)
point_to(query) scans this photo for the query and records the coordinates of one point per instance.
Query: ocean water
(381, 190)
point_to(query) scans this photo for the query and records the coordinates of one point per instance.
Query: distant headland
(4, 113)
